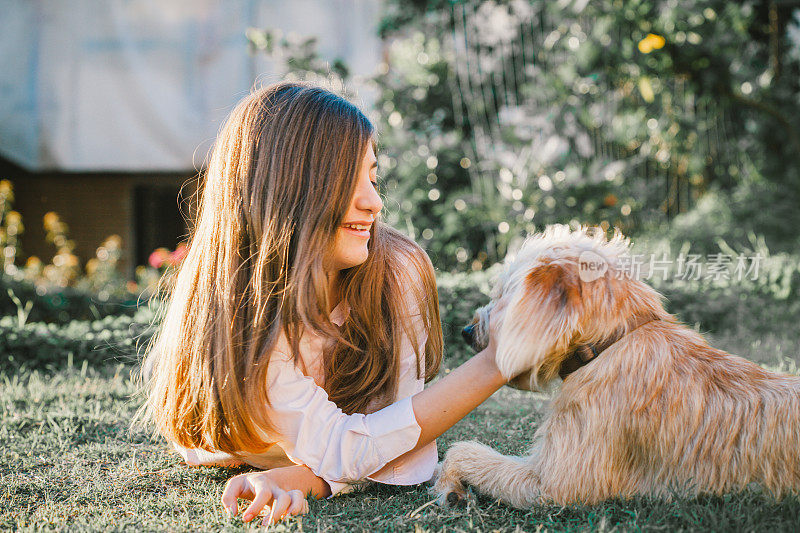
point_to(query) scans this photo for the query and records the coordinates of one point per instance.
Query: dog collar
(584, 354)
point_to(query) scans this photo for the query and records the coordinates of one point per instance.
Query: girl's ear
(540, 322)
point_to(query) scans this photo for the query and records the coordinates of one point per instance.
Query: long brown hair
(278, 184)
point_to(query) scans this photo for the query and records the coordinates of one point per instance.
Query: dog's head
(562, 289)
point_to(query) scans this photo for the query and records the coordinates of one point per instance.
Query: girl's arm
(450, 399)
(358, 445)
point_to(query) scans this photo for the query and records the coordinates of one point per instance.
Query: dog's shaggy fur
(659, 412)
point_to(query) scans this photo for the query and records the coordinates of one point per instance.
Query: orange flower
(610, 200)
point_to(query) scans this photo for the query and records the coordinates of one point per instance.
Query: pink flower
(178, 255)
(158, 257)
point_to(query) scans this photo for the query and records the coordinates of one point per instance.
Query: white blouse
(341, 449)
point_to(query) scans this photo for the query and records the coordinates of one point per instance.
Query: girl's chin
(350, 260)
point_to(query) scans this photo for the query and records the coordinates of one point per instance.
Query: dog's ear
(540, 322)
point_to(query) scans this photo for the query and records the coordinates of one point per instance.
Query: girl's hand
(270, 488)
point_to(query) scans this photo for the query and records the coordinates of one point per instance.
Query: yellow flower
(113, 241)
(651, 42)
(50, 219)
(646, 89)
(13, 218)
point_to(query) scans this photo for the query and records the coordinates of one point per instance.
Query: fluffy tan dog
(657, 411)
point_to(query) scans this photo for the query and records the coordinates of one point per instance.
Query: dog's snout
(469, 334)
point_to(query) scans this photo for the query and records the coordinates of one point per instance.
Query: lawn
(68, 462)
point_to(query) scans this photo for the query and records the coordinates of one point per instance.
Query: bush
(38, 345)
(768, 304)
(117, 337)
(612, 113)
(60, 305)
(760, 305)
(460, 294)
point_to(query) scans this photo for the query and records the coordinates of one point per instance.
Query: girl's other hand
(490, 351)
(267, 488)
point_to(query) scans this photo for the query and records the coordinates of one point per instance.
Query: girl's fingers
(264, 494)
(279, 506)
(299, 503)
(236, 487)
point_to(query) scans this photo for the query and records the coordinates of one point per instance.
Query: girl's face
(350, 243)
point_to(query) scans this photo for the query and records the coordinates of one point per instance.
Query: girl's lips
(357, 232)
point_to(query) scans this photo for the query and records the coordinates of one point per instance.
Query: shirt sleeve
(200, 457)
(337, 447)
(416, 466)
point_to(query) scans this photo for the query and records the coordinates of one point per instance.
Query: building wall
(144, 85)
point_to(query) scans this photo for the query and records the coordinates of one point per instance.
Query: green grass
(68, 462)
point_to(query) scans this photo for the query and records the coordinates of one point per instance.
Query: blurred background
(677, 122)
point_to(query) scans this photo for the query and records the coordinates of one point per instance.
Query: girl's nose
(369, 199)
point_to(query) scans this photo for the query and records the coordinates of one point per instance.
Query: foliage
(721, 302)
(60, 305)
(38, 345)
(460, 294)
(496, 117)
(11, 226)
(717, 304)
(298, 57)
(618, 113)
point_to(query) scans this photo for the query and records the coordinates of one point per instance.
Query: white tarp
(145, 84)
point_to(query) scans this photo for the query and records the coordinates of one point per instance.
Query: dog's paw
(455, 499)
(447, 487)
(451, 497)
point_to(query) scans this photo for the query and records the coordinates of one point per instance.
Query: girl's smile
(358, 228)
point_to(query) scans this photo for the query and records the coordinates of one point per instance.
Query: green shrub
(37, 345)
(765, 303)
(62, 305)
(41, 345)
(460, 294)
(768, 304)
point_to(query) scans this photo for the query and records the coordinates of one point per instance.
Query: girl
(299, 319)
